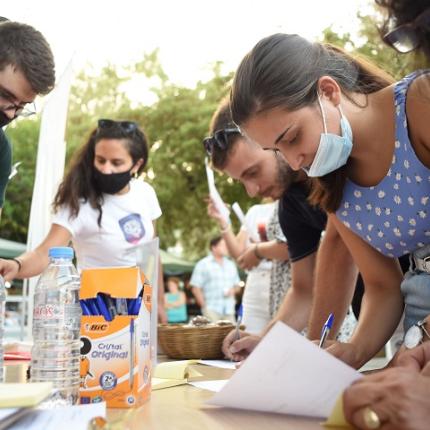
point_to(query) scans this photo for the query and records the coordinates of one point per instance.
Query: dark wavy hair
(222, 120)
(283, 70)
(78, 185)
(24, 47)
(403, 12)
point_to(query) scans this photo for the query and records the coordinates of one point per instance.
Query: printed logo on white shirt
(132, 228)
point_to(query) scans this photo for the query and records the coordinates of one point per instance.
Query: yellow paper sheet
(173, 373)
(337, 418)
(23, 395)
(176, 370)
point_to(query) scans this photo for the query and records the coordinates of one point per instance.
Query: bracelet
(256, 253)
(225, 230)
(17, 262)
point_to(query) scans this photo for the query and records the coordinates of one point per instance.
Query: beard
(285, 175)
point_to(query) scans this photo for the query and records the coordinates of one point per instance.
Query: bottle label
(48, 312)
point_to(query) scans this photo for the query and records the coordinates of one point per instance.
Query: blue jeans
(416, 292)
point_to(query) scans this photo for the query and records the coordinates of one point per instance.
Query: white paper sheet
(67, 418)
(214, 194)
(215, 386)
(288, 374)
(222, 364)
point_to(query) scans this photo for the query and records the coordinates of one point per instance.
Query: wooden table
(182, 408)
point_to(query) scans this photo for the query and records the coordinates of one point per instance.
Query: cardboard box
(115, 355)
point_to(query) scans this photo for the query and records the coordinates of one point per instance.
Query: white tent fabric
(51, 154)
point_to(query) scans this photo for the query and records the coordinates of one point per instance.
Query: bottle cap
(61, 252)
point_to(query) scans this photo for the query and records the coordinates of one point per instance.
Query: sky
(190, 34)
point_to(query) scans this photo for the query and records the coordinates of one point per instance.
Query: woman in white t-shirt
(99, 206)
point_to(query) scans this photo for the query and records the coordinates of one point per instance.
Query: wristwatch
(415, 335)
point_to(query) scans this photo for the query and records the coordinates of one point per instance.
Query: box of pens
(115, 337)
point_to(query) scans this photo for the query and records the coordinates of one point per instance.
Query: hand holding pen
(326, 329)
(238, 323)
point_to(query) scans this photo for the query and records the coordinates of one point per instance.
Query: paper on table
(176, 370)
(337, 418)
(215, 386)
(214, 194)
(222, 364)
(287, 373)
(173, 373)
(67, 418)
(160, 383)
(23, 395)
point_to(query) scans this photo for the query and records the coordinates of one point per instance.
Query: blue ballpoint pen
(238, 322)
(326, 329)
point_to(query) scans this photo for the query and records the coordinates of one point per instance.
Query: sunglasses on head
(126, 126)
(219, 139)
(405, 38)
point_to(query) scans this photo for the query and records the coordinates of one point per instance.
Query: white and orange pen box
(115, 337)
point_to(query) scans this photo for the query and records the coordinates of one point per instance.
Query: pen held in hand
(238, 322)
(326, 329)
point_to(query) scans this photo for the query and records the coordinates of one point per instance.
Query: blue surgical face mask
(333, 150)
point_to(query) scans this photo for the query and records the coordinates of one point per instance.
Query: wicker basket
(185, 341)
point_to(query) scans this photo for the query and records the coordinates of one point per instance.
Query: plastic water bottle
(55, 356)
(2, 316)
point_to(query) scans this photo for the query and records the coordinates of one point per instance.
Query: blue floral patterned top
(393, 216)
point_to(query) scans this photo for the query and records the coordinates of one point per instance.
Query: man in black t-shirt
(266, 174)
(27, 69)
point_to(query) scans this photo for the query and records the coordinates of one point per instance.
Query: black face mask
(111, 183)
(4, 119)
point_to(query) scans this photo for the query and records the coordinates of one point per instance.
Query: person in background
(340, 120)
(213, 283)
(399, 398)
(27, 69)
(101, 206)
(175, 302)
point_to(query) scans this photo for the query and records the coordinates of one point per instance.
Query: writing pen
(131, 370)
(101, 304)
(238, 322)
(326, 329)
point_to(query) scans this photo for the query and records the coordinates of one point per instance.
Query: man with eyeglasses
(27, 69)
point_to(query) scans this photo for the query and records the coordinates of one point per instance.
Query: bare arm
(34, 262)
(273, 250)
(335, 279)
(199, 296)
(382, 304)
(236, 245)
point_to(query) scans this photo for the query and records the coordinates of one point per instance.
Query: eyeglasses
(20, 109)
(405, 38)
(126, 126)
(219, 139)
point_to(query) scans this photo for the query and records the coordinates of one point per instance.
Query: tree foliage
(175, 121)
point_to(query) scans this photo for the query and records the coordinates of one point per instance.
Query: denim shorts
(416, 292)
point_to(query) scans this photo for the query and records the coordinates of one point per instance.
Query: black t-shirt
(301, 223)
(5, 164)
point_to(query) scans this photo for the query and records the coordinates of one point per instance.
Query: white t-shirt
(259, 215)
(126, 223)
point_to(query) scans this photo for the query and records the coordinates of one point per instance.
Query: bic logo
(96, 327)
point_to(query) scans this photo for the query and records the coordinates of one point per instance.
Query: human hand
(398, 396)
(239, 349)
(417, 358)
(247, 260)
(214, 213)
(346, 352)
(9, 269)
